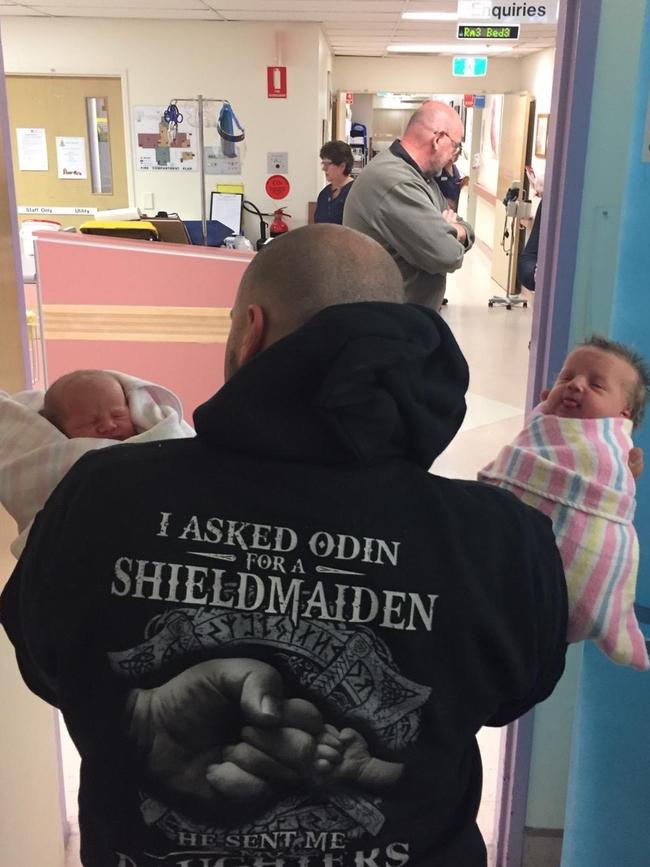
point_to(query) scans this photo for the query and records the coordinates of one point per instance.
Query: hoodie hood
(357, 384)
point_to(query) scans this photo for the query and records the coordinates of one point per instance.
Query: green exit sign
(488, 31)
(469, 67)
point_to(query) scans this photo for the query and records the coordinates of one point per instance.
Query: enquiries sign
(544, 12)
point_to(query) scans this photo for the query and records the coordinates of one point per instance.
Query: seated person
(42, 435)
(574, 461)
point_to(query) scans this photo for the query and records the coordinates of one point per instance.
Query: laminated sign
(508, 13)
(276, 82)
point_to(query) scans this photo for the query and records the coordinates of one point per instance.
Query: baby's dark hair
(639, 393)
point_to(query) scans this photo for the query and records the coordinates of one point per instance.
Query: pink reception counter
(157, 311)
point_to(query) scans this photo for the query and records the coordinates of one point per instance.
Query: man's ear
(252, 342)
(544, 394)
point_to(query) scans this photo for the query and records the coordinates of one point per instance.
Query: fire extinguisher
(278, 226)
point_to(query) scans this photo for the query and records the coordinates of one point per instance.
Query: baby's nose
(106, 425)
(577, 383)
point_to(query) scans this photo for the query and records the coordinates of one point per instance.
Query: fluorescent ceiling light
(456, 48)
(430, 16)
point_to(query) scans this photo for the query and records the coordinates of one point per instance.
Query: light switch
(147, 201)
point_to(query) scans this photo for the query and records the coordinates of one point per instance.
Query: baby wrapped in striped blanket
(42, 435)
(572, 462)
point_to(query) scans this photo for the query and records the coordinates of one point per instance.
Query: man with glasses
(396, 201)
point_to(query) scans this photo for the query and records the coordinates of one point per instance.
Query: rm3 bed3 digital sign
(488, 31)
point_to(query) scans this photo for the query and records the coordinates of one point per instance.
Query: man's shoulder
(376, 185)
(127, 460)
(495, 507)
(389, 168)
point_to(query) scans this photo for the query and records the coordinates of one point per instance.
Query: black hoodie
(299, 535)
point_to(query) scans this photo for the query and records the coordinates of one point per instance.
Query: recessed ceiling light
(457, 48)
(430, 16)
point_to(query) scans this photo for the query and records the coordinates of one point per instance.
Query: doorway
(497, 146)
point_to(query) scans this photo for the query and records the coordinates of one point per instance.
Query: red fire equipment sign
(277, 187)
(276, 82)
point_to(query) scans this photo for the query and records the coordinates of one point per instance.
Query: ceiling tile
(120, 12)
(352, 27)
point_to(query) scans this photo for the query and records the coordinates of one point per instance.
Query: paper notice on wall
(32, 150)
(71, 157)
(217, 164)
(161, 146)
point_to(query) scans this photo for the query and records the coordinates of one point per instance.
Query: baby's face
(96, 408)
(592, 384)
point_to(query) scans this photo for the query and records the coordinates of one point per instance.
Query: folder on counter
(217, 232)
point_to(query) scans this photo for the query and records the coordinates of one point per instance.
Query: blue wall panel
(609, 787)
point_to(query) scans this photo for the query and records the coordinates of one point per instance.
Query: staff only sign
(544, 12)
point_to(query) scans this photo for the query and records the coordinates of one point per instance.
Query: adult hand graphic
(220, 735)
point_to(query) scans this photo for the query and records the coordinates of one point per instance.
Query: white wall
(537, 79)
(166, 59)
(325, 95)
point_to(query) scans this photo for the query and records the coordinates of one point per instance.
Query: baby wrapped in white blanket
(35, 453)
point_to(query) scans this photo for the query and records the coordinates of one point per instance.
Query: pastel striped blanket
(35, 455)
(576, 472)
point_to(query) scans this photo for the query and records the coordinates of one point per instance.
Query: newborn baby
(574, 461)
(89, 403)
(42, 435)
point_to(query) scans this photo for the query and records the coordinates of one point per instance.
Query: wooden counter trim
(146, 324)
(484, 193)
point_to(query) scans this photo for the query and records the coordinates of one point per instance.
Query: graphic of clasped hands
(222, 737)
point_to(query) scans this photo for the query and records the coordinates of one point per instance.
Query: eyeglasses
(457, 145)
(325, 164)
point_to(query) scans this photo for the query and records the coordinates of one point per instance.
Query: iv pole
(201, 100)
(516, 209)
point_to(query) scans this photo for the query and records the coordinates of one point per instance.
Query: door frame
(576, 46)
(573, 79)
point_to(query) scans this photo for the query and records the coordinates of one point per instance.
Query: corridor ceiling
(363, 28)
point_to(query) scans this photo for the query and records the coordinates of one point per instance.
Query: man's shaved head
(430, 135)
(299, 274)
(432, 115)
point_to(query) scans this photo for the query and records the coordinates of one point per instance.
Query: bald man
(273, 644)
(396, 201)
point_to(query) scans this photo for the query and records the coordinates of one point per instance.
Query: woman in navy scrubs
(336, 161)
